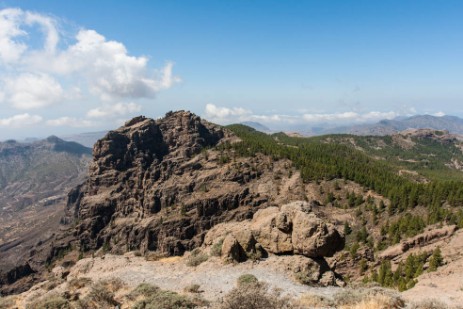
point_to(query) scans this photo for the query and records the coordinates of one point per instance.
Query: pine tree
(436, 260)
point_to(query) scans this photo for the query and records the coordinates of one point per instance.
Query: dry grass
(102, 294)
(7, 302)
(193, 288)
(254, 295)
(372, 298)
(78, 283)
(196, 258)
(429, 304)
(49, 302)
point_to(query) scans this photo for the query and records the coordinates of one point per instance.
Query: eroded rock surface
(291, 229)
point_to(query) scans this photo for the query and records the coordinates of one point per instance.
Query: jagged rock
(291, 230)
(232, 250)
(314, 238)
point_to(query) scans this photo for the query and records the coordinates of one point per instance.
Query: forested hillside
(375, 163)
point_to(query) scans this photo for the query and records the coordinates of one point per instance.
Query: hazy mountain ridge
(387, 127)
(87, 139)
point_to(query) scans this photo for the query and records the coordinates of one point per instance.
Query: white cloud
(439, 114)
(30, 91)
(21, 120)
(11, 48)
(40, 67)
(232, 115)
(70, 122)
(349, 117)
(119, 109)
(106, 66)
(216, 113)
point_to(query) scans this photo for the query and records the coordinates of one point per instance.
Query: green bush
(143, 289)
(165, 299)
(247, 279)
(216, 249)
(254, 295)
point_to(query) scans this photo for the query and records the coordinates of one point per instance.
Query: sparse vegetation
(216, 248)
(436, 260)
(196, 258)
(404, 277)
(246, 279)
(102, 294)
(254, 295)
(50, 302)
(193, 288)
(78, 283)
(161, 299)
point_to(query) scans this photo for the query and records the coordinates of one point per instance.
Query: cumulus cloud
(119, 109)
(217, 113)
(20, 120)
(11, 48)
(28, 91)
(69, 121)
(237, 114)
(41, 67)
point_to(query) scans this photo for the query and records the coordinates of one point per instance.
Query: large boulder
(290, 229)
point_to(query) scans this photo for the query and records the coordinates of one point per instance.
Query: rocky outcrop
(159, 185)
(429, 236)
(291, 229)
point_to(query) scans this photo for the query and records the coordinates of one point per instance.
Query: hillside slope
(34, 181)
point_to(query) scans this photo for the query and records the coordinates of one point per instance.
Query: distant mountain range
(87, 139)
(452, 124)
(257, 126)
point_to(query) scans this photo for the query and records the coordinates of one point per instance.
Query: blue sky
(281, 63)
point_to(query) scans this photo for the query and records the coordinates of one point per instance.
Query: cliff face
(160, 186)
(149, 189)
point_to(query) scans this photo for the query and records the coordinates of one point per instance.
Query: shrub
(314, 301)
(193, 288)
(254, 296)
(429, 304)
(50, 302)
(216, 249)
(196, 258)
(368, 298)
(246, 279)
(102, 294)
(436, 260)
(143, 289)
(165, 299)
(78, 283)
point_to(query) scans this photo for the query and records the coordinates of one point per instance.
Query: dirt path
(215, 278)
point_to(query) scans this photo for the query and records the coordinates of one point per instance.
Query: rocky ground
(445, 284)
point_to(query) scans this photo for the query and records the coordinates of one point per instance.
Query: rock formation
(160, 185)
(291, 229)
